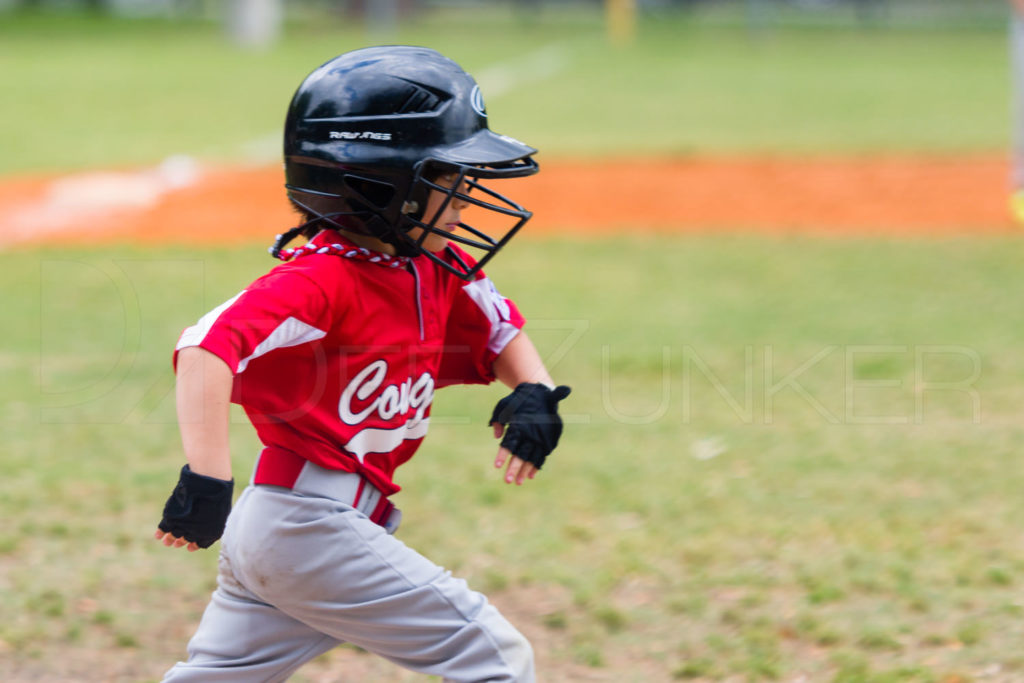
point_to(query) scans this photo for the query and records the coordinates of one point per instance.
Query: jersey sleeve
(481, 323)
(281, 309)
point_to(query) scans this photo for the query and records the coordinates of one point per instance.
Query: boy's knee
(514, 651)
(520, 659)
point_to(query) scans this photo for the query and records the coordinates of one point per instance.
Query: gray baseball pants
(300, 574)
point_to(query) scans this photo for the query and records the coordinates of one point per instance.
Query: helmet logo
(359, 135)
(476, 99)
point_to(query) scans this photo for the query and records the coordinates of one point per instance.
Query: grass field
(106, 93)
(855, 517)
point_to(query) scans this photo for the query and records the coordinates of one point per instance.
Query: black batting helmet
(369, 132)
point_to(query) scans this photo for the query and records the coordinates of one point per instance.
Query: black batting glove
(532, 424)
(198, 508)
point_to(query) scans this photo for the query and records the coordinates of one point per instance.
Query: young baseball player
(335, 356)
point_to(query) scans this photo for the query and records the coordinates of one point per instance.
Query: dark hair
(309, 228)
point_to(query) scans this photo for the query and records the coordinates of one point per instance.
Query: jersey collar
(331, 242)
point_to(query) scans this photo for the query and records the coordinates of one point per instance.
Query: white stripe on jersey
(195, 334)
(291, 332)
(495, 307)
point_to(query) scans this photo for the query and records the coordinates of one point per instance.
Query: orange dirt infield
(182, 202)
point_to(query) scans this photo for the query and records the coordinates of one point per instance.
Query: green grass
(98, 93)
(783, 457)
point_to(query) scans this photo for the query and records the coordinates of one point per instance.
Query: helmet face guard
(369, 132)
(481, 244)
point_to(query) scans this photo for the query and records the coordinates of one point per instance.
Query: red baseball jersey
(336, 354)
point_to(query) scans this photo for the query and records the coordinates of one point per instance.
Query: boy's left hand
(518, 469)
(529, 427)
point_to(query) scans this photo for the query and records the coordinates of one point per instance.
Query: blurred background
(206, 78)
(772, 252)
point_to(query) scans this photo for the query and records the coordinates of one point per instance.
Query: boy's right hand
(196, 512)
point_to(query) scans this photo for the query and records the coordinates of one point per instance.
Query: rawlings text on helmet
(353, 135)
